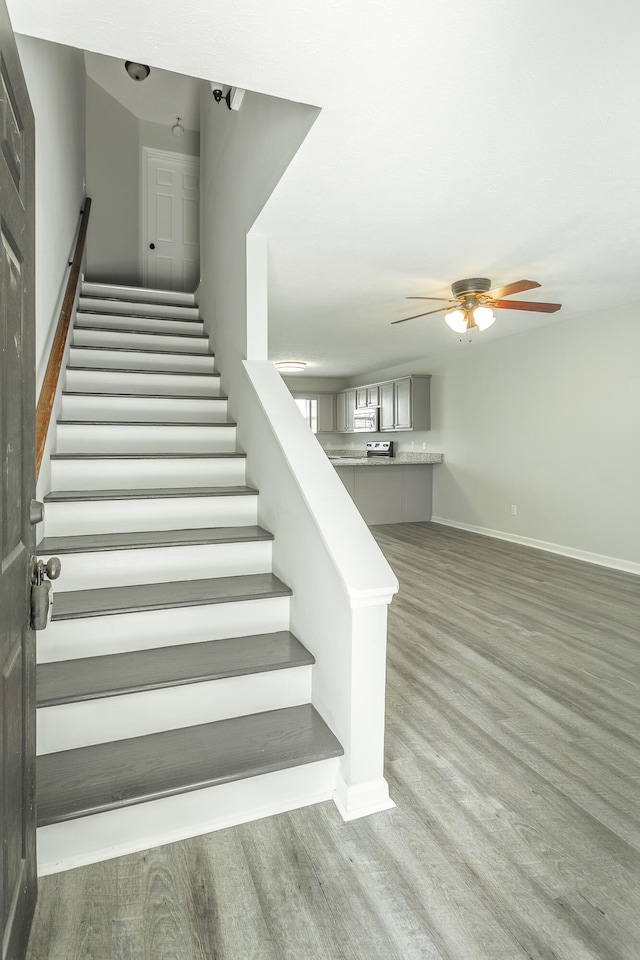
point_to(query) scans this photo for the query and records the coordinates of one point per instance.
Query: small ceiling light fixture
(177, 129)
(137, 71)
(290, 366)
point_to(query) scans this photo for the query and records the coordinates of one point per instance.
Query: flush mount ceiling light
(290, 366)
(474, 301)
(137, 71)
(177, 129)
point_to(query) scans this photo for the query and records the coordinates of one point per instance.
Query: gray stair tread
(137, 304)
(171, 353)
(89, 678)
(89, 780)
(142, 396)
(105, 601)
(213, 455)
(94, 542)
(140, 333)
(147, 423)
(146, 372)
(145, 493)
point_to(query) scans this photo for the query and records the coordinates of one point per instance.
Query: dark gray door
(17, 443)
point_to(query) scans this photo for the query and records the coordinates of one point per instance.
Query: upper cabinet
(404, 404)
(326, 413)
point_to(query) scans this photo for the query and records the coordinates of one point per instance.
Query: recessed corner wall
(113, 175)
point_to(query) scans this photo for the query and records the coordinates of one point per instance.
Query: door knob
(152, 246)
(41, 603)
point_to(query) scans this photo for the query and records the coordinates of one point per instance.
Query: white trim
(361, 799)
(146, 154)
(626, 566)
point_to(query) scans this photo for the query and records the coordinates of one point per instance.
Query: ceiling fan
(474, 301)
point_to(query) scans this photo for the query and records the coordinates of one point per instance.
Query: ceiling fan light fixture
(137, 71)
(457, 321)
(484, 317)
(290, 366)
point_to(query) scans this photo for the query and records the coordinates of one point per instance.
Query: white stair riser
(88, 337)
(101, 474)
(142, 438)
(187, 312)
(116, 381)
(64, 518)
(98, 636)
(88, 407)
(72, 725)
(103, 836)
(119, 568)
(86, 357)
(125, 322)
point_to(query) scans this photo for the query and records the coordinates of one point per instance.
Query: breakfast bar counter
(385, 495)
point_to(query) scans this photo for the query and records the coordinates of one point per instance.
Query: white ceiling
(456, 139)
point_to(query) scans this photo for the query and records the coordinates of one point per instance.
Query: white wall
(341, 583)
(158, 136)
(113, 175)
(244, 154)
(55, 80)
(547, 420)
(115, 138)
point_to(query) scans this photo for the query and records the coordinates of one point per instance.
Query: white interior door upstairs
(170, 220)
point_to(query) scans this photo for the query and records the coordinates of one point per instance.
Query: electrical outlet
(514, 510)
(424, 445)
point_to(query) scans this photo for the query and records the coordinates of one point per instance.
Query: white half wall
(548, 421)
(341, 582)
(55, 80)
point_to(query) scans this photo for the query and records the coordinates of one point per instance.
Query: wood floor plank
(513, 754)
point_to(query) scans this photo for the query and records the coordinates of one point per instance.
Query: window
(309, 410)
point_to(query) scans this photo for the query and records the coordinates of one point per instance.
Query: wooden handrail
(50, 382)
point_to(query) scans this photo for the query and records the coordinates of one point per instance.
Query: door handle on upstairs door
(152, 246)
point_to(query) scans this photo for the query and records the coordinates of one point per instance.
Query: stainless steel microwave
(365, 420)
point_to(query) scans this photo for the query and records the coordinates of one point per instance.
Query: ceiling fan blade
(516, 287)
(524, 305)
(416, 315)
(444, 299)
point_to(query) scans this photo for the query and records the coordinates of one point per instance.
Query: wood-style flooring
(513, 755)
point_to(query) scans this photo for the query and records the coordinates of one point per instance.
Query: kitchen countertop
(346, 458)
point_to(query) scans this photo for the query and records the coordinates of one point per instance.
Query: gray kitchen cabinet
(404, 404)
(345, 408)
(326, 413)
(361, 398)
(387, 406)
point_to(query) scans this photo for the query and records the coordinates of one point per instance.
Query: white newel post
(361, 788)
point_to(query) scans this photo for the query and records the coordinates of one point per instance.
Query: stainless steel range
(379, 448)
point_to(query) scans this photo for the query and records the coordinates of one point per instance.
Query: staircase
(172, 698)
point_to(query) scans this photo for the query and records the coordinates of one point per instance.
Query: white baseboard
(361, 799)
(627, 566)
